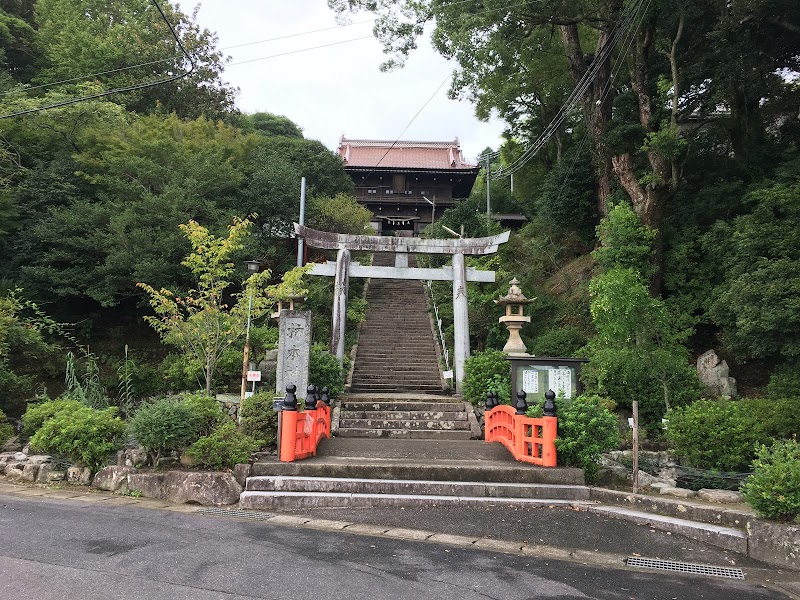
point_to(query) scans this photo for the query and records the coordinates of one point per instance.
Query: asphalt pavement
(91, 546)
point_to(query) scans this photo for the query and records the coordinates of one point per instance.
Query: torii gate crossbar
(458, 274)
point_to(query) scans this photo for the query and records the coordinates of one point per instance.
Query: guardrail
(529, 439)
(302, 430)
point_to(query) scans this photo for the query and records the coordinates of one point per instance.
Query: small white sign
(560, 380)
(448, 374)
(254, 376)
(248, 394)
(530, 381)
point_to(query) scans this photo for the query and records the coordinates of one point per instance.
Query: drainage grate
(682, 567)
(237, 513)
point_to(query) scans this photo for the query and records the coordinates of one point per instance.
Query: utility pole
(302, 220)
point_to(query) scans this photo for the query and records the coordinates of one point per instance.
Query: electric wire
(621, 29)
(130, 88)
(606, 91)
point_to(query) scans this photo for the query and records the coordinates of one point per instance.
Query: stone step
(410, 424)
(395, 389)
(415, 468)
(389, 373)
(409, 363)
(416, 487)
(404, 405)
(415, 415)
(409, 434)
(309, 500)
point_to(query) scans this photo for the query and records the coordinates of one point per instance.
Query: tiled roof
(403, 155)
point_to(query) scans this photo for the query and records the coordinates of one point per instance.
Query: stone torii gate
(343, 269)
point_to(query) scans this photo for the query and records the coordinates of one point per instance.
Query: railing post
(288, 418)
(549, 430)
(311, 397)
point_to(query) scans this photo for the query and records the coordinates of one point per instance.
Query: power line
(122, 89)
(577, 93)
(251, 60)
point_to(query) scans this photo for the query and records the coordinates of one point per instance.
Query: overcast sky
(337, 89)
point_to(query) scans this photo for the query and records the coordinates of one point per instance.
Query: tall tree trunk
(596, 103)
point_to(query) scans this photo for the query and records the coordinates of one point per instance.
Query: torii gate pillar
(458, 274)
(460, 318)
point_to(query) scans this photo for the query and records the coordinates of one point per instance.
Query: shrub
(258, 419)
(165, 426)
(225, 447)
(780, 417)
(784, 382)
(207, 412)
(36, 414)
(715, 434)
(587, 427)
(83, 435)
(6, 429)
(773, 489)
(484, 372)
(564, 341)
(324, 370)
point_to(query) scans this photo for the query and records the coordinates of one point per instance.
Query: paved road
(54, 549)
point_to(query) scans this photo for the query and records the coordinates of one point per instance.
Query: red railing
(301, 431)
(528, 439)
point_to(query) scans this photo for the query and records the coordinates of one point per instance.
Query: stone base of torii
(343, 269)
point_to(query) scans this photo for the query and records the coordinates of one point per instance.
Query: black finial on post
(326, 396)
(521, 405)
(549, 403)
(290, 401)
(489, 401)
(311, 397)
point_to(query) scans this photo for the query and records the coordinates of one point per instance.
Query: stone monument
(714, 374)
(294, 350)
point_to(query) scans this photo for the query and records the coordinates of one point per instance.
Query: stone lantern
(514, 303)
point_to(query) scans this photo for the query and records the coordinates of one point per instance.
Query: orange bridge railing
(529, 439)
(302, 430)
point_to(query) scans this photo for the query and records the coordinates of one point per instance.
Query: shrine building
(407, 184)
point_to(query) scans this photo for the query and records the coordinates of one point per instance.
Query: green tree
(97, 36)
(268, 124)
(341, 214)
(200, 321)
(757, 303)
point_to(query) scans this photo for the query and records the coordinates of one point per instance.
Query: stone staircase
(371, 473)
(396, 348)
(404, 416)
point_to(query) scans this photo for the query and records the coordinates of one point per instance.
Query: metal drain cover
(237, 513)
(682, 567)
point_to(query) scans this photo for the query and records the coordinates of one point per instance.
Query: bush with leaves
(167, 426)
(715, 434)
(83, 434)
(224, 448)
(773, 489)
(587, 427)
(207, 412)
(324, 371)
(484, 372)
(37, 413)
(6, 429)
(560, 341)
(258, 419)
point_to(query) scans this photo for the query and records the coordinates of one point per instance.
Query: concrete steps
(371, 473)
(271, 492)
(412, 418)
(396, 348)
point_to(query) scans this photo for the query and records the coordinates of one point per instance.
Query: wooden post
(635, 446)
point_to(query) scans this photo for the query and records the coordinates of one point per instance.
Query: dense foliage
(774, 487)
(716, 434)
(258, 419)
(485, 372)
(587, 427)
(223, 448)
(84, 435)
